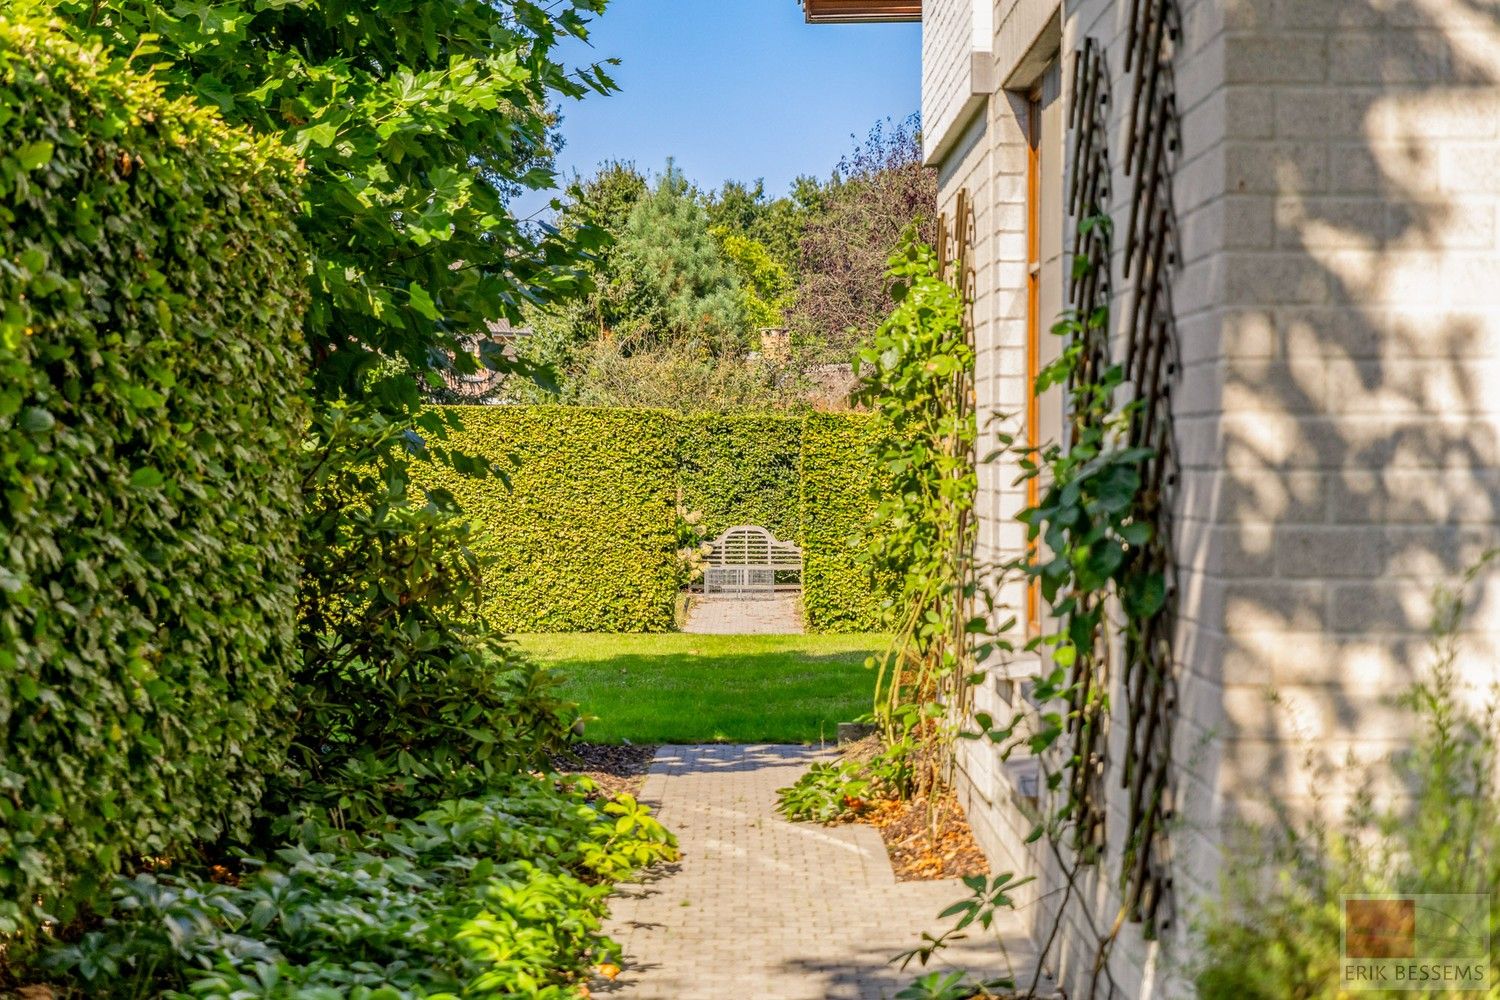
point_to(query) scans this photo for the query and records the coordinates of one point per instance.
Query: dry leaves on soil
(614, 770)
(927, 839)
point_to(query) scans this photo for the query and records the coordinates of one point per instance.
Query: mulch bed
(613, 769)
(926, 838)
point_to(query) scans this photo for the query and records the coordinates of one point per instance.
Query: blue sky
(740, 89)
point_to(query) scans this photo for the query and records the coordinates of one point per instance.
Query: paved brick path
(780, 615)
(762, 909)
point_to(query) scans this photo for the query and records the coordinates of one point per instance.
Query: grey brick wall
(1338, 306)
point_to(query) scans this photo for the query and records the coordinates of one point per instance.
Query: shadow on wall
(1359, 430)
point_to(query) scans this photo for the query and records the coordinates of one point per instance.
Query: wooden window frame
(1033, 328)
(860, 11)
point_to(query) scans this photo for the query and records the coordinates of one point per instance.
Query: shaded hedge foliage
(839, 479)
(402, 696)
(742, 469)
(150, 352)
(584, 539)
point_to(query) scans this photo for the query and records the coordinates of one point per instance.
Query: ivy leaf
(35, 420)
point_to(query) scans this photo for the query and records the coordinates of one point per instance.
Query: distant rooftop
(482, 385)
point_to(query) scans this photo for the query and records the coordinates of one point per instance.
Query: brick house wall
(1338, 317)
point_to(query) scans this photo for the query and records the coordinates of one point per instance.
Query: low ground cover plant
(497, 895)
(844, 789)
(828, 792)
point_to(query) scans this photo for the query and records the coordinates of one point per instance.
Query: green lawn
(678, 688)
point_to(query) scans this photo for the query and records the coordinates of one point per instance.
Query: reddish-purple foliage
(879, 190)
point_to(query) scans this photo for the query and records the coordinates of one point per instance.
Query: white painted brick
(1337, 190)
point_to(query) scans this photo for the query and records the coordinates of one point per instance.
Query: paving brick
(762, 908)
(719, 615)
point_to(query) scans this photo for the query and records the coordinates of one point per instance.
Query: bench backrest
(751, 545)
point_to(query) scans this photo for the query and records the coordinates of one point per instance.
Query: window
(1044, 276)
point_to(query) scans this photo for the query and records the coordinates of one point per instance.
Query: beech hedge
(742, 468)
(150, 361)
(580, 535)
(584, 536)
(840, 481)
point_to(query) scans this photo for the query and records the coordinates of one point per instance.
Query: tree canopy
(877, 193)
(687, 280)
(415, 120)
(673, 275)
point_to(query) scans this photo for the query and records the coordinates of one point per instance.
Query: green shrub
(829, 791)
(403, 696)
(150, 368)
(742, 468)
(839, 483)
(839, 790)
(501, 895)
(581, 534)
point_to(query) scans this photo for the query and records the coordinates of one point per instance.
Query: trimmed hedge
(742, 469)
(839, 476)
(585, 538)
(150, 361)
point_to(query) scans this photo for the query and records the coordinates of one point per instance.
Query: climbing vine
(1093, 555)
(1101, 548)
(918, 377)
(1087, 532)
(1098, 548)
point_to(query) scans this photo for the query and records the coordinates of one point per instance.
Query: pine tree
(672, 280)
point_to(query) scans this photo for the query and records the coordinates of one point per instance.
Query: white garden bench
(748, 560)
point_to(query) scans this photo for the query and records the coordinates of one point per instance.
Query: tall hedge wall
(742, 469)
(838, 478)
(150, 358)
(585, 538)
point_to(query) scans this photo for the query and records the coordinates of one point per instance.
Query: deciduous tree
(878, 192)
(416, 121)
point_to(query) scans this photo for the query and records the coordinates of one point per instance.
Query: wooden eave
(860, 11)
